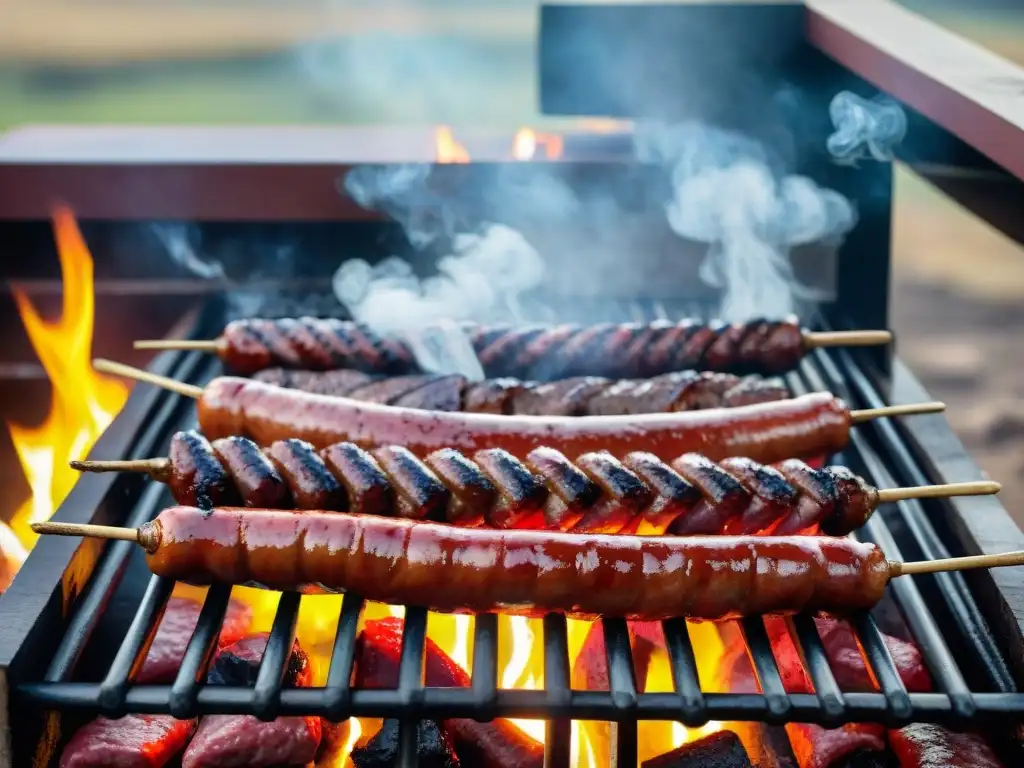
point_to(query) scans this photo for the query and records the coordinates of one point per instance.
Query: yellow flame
(526, 141)
(83, 402)
(448, 149)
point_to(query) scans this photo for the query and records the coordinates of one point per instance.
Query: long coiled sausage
(530, 352)
(446, 568)
(544, 490)
(811, 425)
(578, 396)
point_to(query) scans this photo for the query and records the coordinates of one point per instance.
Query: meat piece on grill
(441, 394)
(926, 745)
(493, 395)
(433, 748)
(175, 630)
(566, 397)
(339, 382)
(237, 740)
(388, 391)
(132, 741)
(722, 749)
(817, 747)
(845, 658)
(497, 744)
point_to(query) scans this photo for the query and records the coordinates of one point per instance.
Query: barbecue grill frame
(995, 697)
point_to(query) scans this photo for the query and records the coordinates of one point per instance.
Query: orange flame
(448, 149)
(83, 402)
(526, 141)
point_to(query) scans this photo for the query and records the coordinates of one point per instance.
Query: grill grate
(953, 702)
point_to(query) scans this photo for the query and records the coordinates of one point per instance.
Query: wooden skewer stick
(973, 488)
(159, 469)
(137, 374)
(907, 409)
(145, 537)
(190, 390)
(211, 345)
(814, 339)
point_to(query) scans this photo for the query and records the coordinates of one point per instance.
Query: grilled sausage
(596, 492)
(529, 352)
(445, 568)
(579, 396)
(810, 425)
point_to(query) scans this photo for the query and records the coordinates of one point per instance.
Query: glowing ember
(83, 402)
(526, 141)
(448, 149)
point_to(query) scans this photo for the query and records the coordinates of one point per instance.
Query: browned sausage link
(596, 493)
(196, 475)
(529, 352)
(445, 568)
(579, 396)
(418, 492)
(472, 492)
(308, 478)
(257, 480)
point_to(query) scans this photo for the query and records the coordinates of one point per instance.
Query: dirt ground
(958, 312)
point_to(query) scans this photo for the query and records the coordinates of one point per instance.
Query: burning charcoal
(239, 664)
(233, 740)
(845, 658)
(719, 750)
(817, 747)
(133, 741)
(813, 746)
(433, 748)
(497, 744)
(867, 760)
(590, 670)
(174, 632)
(924, 745)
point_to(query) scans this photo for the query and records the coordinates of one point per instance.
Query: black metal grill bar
(135, 646)
(410, 681)
(816, 663)
(922, 624)
(557, 730)
(962, 606)
(274, 663)
(759, 648)
(622, 686)
(586, 705)
(684, 672)
(485, 662)
(199, 651)
(339, 674)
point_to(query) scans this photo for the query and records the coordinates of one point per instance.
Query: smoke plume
(865, 128)
(483, 278)
(725, 193)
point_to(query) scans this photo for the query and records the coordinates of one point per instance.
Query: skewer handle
(908, 409)
(157, 468)
(211, 345)
(812, 340)
(1004, 559)
(89, 531)
(974, 488)
(137, 374)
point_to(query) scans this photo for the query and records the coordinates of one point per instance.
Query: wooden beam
(969, 91)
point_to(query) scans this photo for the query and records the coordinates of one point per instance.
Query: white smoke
(865, 128)
(725, 194)
(484, 276)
